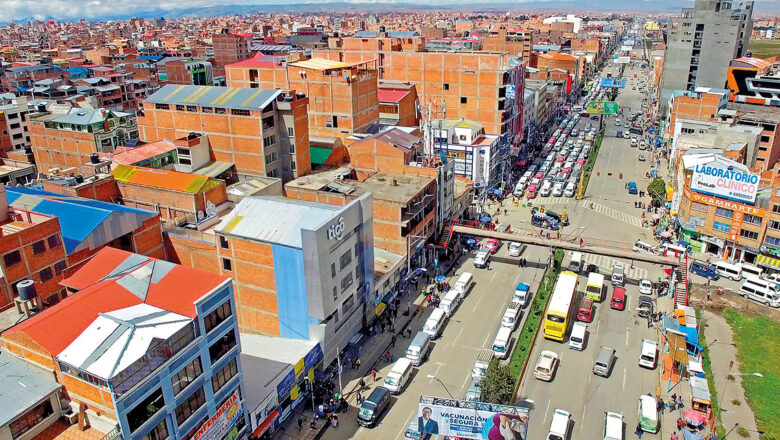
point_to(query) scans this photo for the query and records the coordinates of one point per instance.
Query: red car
(530, 193)
(493, 245)
(618, 301)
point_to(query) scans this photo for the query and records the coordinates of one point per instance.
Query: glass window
(333, 270)
(348, 303)
(45, 274)
(59, 267)
(696, 206)
(772, 240)
(723, 212)
(224, 375)
(219, 315)
(223, 243)
(12, 258)
(751, 235)
(774, 224)
(54, 241)
(186, 376)
(145, 409)
(346, 281)
(345, 258)
(31, 419)
(222, 346)
(752, 219)
(159, 432)
(227, 264)
(335, 292)
(39, 247)
(189, 406)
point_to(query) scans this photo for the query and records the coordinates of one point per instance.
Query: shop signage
(771, 250)
(736, 225)
(720, 179)
(218, 426)
(690, 226)
(720, 203)
(336, 230)
(602, 108)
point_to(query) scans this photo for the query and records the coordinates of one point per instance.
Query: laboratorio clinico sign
(726, 181)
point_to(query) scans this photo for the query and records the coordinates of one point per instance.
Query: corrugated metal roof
(164, 179)
(214, 96)
(275, 220)
(21, 386)
(320, 64)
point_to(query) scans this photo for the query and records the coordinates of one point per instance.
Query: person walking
(392, 341)
(679, 423)
(674, 436)
(300, 423)
(638, 430)
(373, 374)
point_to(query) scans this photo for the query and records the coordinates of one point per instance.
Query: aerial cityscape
(389, 220)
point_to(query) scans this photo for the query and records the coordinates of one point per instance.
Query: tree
(657, 190)
(498, 386)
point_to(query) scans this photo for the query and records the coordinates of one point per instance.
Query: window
(348, 303)
(446, 86)
(464, 100)
(345, 258)
(162, 106)
(268, 122)
(224, 375)
(290, 132)
(179, 107)
(346, 281)
(207, 109)
(222, 346)
(186, 376)
(752, 219)
(223, 243)
(220, 111)
(748, 234)
(271, 158)
(335, 293)
(227, 264)
(54, 241)
(239, 112)
(696, 206)
(59, 267)
(145, 409)
(723, 212)
(12, 258)
(292, 165)
(776, 209)
(687, 130)
(192, 108)
(269, 140)
(189, 406)
(45, 274)
(333, 270)
(334, 121)
(218, 316)
(774, 224)
(31, 419)
(772, 240)
(159, 432)
(39, 247)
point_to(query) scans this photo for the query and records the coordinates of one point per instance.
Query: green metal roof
(319, 155)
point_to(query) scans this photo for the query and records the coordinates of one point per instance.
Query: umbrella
(656, 216)
(695, 418)
(666, 234)
(485, 219)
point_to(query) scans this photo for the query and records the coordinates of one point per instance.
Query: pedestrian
(387, 356)
(679, 423)
(359, 398)
(373, 374)
(357, 363)
(362, 382)
(680, 403)
(709, 296)
(300, 423)
(674, 436)
(638, 430)
(392, 341)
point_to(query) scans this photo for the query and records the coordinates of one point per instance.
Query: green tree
(498, 386)
(657, 190)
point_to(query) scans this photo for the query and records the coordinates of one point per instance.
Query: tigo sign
(724, 180)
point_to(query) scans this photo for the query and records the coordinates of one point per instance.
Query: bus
(559, 311)
(595, 287)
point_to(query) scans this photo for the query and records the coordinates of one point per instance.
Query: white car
(481, 258)
(645, 287)
(515, 249)
(613, 426)
(559, 427)
(546, 365)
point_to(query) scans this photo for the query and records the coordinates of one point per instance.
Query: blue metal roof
(84, 222)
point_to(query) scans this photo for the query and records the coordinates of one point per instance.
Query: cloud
(69, 9)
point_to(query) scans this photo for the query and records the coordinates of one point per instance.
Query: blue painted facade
(292, 304)
(162, 377)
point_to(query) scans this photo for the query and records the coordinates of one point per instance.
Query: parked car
(645, 307)
(645, 286)
(546, 365)
(515, 249)
(482, 258)
(493, 245)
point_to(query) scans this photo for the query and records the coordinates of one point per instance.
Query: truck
(481, 365)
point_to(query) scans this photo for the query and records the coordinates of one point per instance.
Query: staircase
(681, 288)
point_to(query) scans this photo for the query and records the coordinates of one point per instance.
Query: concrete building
(768, 120)
(187, 72)
(302, 270)
(702, 42)
(517, 42)
(229, 48)
(398, 104)
(14, 123)
(150, 349)
(263, 132)
(477, 155)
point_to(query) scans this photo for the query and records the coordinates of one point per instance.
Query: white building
(476, 155)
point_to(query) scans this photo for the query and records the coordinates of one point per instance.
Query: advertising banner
(217, 427)
(602, 108)
(501, 423)
(726, 180)
(737, 207)
(621, 60)
(613, 83)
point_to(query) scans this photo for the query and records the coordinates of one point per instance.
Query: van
(559, 426)
(501, 343)
(648, 414)
(705, 270)
(604, 361)
(413, 431)
(648, 354)
(481, 365)
(464, 283)
(473, 393)
(643, 248)
(728, 270)
(434, 323)
(750, 270)
(618, 277)
(398, 375)
(761, 291)
(618, 301)
(577, 337)
(373, 406)
(613, 426)
(450, 302)
(419, 348)
(585, 312)
(575, 265)
(511, 315)
(522, 294)
(673, 250)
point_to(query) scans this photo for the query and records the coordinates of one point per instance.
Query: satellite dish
(201, 215)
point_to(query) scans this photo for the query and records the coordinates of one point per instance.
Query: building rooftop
(132, 156)
(222, 97)
(391, 95)
(398, 138)
(275, 220)
(165, 179)
(754, 112)
(393, 187)
(87, 116)
(321, 64)
(23, 386)
(319, 179)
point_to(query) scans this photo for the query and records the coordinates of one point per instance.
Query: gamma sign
(602, 108)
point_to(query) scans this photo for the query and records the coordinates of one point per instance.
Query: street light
(433, 377)
(735, 427)
(723, 394)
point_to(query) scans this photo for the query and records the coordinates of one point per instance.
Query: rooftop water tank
(26, 289)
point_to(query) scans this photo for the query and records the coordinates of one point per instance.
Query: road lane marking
(624, 379)
(403, 429)
(494, 275)
(485, 341)
(468, 376)
(582, 421)
(626, 336)
(433, 376)
(461, 331)
(597, 327)
(546, 412)
(477, 304)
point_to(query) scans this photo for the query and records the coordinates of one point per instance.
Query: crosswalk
(605, 266)
(544, 201)
(614, 213)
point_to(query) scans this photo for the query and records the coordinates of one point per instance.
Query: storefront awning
(266, 423)
(772, 263)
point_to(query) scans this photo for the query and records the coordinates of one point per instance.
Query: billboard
(217, 427)
(621, 60)
(602, 108)
(613, 83)
(471, 420)
(726, 179)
